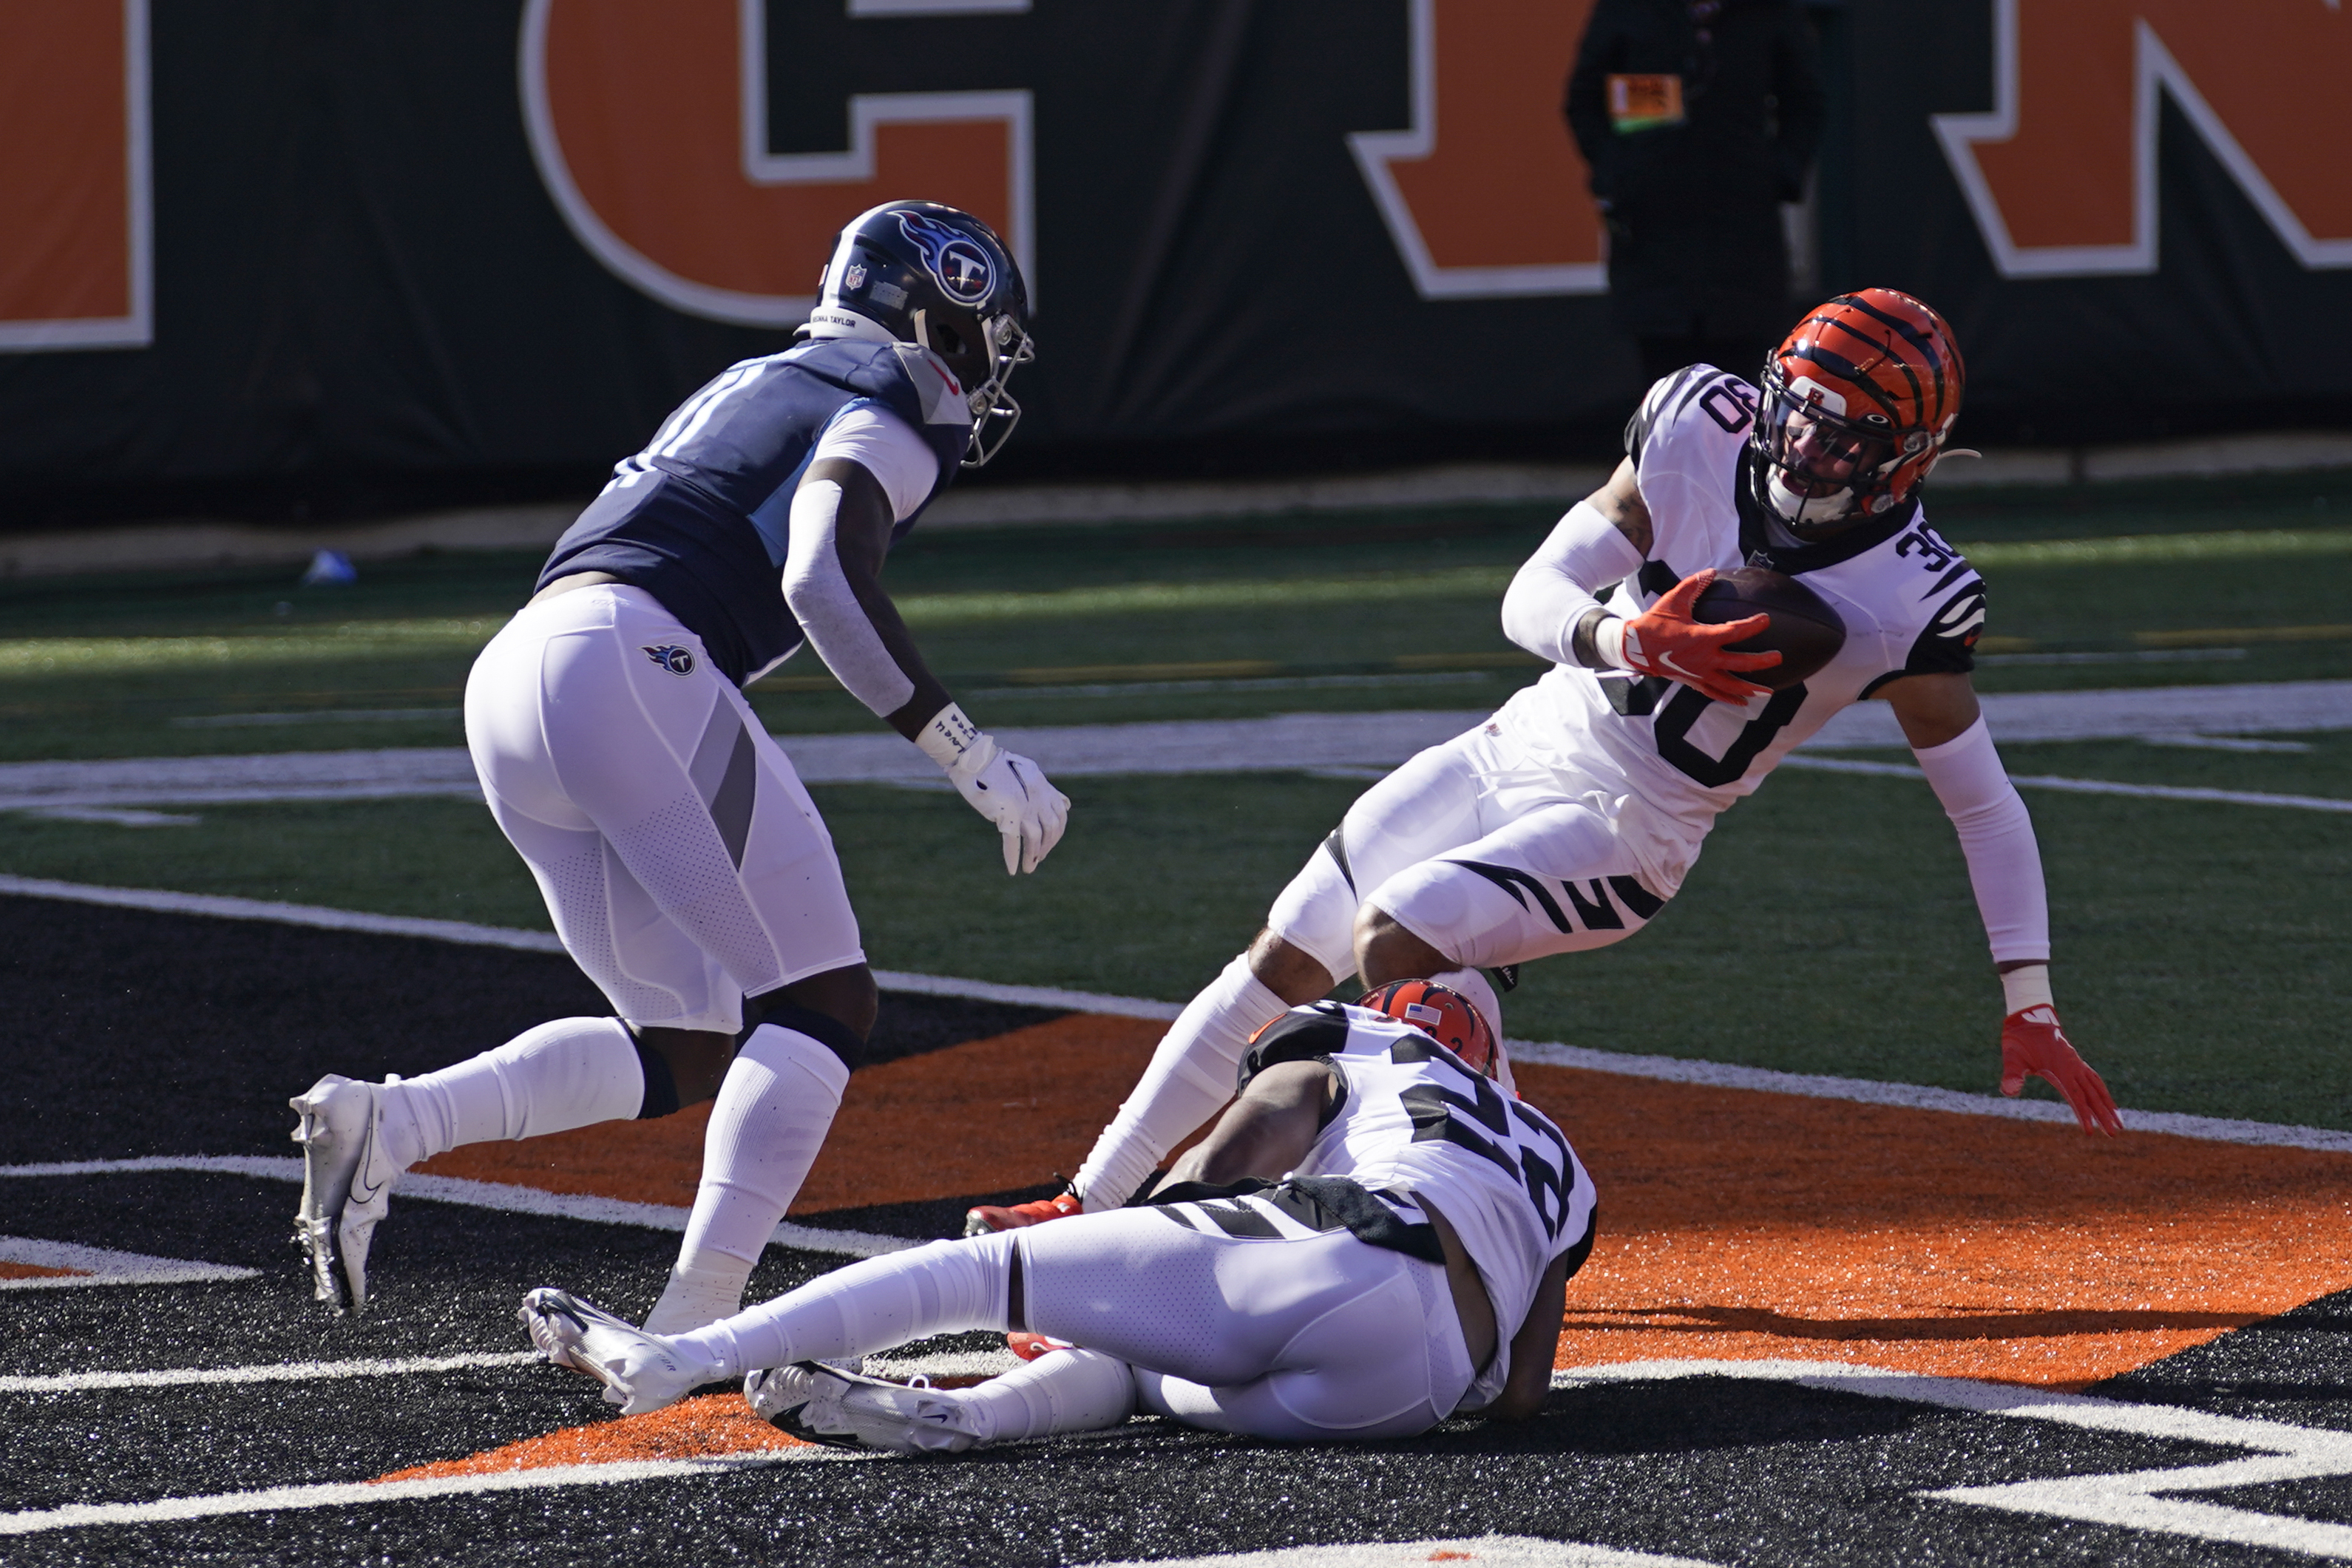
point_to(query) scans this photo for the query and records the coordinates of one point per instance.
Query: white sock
(875, 1304)
(1062, 1391)
(568, 1073)
(1188, 1081)
(778, 1100)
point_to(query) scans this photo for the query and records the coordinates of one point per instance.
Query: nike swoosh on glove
(2032, 1046)
(1010, 792)
(1665, 640)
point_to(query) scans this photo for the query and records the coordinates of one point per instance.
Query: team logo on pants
(678, 661)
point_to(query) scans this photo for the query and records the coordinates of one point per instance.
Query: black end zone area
(138, 1033)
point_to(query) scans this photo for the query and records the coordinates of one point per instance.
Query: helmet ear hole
(946, 340)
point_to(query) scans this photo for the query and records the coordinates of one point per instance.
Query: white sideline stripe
(104, 1266)
(284, 1371)
(504, 1197)
(1916, 1097)
(2126, 1499)
(531, 1200)
(1484, 1551)
(227, 908)
(2088, 786)
(349, 1494)
(1276, 743)
(464, 933)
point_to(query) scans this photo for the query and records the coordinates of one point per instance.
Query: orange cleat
(987, 1217)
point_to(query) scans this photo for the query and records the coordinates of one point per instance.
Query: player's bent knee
(1386, 951)
(836, 1009)
(682, 1067)
(1288, 970)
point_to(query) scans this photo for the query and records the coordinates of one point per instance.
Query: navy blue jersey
(700, 518)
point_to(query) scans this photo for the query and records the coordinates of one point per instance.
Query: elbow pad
(1553, 591)
(827, 609)
(1997, 836)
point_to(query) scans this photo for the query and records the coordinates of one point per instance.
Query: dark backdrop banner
(270, 253)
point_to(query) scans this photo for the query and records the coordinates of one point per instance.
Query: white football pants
(683, 862)
(1288, 1334)
(1483, 852)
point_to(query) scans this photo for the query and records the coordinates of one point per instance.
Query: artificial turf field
(2184, 1283)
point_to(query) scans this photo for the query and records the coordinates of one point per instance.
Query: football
(1806, 632)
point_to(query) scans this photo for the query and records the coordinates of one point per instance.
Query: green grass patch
(1828, 929)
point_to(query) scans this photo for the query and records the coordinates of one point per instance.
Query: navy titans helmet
(917, 272)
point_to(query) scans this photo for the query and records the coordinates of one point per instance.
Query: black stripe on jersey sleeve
(1652, 407)
(1948, 644)
(1238, 1218)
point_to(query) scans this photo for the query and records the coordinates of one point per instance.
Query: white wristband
(2028, 986)
(1609, 642)
(960, 747)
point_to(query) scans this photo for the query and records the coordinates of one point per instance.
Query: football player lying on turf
(1409, 1266)
(1567, 819)
(683, 862)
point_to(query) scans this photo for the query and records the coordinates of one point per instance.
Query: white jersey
(1911, 605)
(1415, 1124)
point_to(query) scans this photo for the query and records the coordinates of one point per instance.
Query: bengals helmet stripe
(1859, 400)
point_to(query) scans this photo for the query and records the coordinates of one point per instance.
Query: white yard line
(2124, 1499)
(105, 1266)
(504, 1197)
(612, 1211)
(284, 1371)
(1484, 1551)
(1279, 743)
(353, 1494)
(2089, 786)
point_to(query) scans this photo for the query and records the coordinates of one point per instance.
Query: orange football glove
(2032, 1046)
(1665, 640)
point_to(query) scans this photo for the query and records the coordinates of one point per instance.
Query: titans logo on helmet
(959, 265)
(678, 661)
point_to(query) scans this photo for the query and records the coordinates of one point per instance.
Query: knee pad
(823, 1028)
(661, 1083)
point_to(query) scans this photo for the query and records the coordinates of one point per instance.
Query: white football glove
(1004, 787)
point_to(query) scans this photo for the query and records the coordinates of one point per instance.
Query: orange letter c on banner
(649, 119)
(1484, 194)
(75, 251)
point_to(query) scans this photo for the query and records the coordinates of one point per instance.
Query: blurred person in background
(1697, 118)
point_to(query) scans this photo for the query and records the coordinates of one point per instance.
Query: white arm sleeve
(1997, 837)
(1554, 588)
(827, 607)
(821, 598)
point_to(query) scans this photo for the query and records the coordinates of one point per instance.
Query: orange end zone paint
(1740, 1226)
(36, 1271)
(978, 1117)
(1735, 1225)
(692, 1428)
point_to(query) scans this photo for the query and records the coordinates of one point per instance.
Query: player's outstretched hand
(1667, 640)
(2032, 1046)
(1010, 792)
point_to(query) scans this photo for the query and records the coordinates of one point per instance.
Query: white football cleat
(347, 1182)
(847, 1409)
(775, 1392)
(640, 1372)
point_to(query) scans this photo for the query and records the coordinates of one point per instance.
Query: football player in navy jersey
(1374, 1237)
(1567, 819)
(683, 862)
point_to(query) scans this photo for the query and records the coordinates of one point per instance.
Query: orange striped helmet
(1859, 400)
(1444, 1014)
